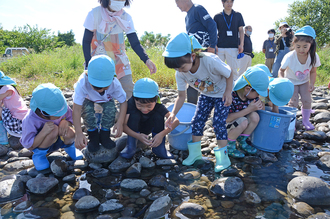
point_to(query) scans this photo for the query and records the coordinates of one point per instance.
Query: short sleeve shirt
(234, 21)
(159, 108)
(83, 90)
(296, 72)
(14, 103)
(269, 47)
(210, 77)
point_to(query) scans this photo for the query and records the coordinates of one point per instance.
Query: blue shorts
(204, 107)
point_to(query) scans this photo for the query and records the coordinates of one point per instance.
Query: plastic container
(292, 126)
(179, 137)
(271, 131)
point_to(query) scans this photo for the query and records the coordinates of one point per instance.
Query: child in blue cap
(145, 115)
(300, 66)
(48, 126)
(243, 118)
(12, 107)
(98, 85)
(280, 91)
(214, 80)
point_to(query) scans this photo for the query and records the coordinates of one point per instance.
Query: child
(145, 114)
(280, 91)
(48, 126)
(243, 118)
(105, 26)
(98, 85)
(13, 110)
(214, 79)
(300, 66)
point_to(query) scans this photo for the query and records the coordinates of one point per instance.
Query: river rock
(111, 205)
(324, 163)
(59, 167)
(191, 210)
(101, 156)
(319, 216)
(19, 165)
(79, 193)
(251, 197)
(87, 203)
(146, 162)
(41, 185)
(158, 208)
(120, 164)
(14, 143)
(319, 105)
(303, 209)
(11, 189)
(228, 186)
(134, 171)
(25, 153)
(3, 150)
(134, 185)
(158, 181)
(309, 189)
(322, 117)
(315, 135)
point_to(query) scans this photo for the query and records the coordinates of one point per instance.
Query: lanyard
(231, 18)
(271, 43)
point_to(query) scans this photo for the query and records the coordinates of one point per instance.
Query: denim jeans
(278, 60)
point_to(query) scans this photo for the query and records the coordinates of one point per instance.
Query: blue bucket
(179, 137)
(271, 131)
(292, 126)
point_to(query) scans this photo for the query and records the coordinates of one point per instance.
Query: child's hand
(169, 121)
(144, 139)
(63, 128)
(80, 141)
(156, 140)
(255, 105)
(118, 129)
(48, 127)
(227, 97)
(311, 87)
(152, 67)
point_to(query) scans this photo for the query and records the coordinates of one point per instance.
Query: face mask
(271, 35)
(248, 33)
(248, 92)
(117, 5)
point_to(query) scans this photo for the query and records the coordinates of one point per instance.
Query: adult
(105, 26)
(201, 25)
(246, 60)
(269, 49)
(230, 26)
(283, 44)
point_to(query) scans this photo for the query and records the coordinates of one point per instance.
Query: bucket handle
(294, 118)
(183, 131)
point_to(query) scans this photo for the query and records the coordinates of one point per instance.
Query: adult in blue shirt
(201, 25)
(230, 35)
(269, 49)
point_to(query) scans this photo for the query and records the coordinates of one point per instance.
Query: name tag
(271, 50)
(229, 33)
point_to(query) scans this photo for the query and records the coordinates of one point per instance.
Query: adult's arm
(137, 47)
(86, 45)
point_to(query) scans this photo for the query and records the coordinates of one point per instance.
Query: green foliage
(34, 39)
(150, 40)
(315, 13)
(66, 38)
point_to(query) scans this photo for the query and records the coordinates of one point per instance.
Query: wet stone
(191, 209)
(69, 178)
(134, 171)
(324, 163)
(43, 212)
(276, 211)
(99, 173)
(157, 194)
(41, 185)
(190, 175)
(87, 203)
(146, 162)
(11, 189)
(134, 185)
(14, 143)
(59, 167)
(166, 162)
(303, 209)
(322, 117)
(120, 164)
(18, 165)
(229, 186)
(254, 160)
(267, 157)
(110, 206)
(158, 181)
(319, 216)
(251, 197)
(315, 135)
(79, 193)
(158, 208)
(25, 153)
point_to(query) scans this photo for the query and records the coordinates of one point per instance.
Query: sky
(157, 16)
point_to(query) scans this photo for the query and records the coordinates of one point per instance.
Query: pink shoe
(306, 113)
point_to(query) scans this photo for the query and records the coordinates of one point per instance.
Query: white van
(15, 51)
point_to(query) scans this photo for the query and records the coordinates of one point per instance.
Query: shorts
(12, 125)
(235, 123)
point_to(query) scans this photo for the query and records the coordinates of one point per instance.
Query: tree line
(315, 13)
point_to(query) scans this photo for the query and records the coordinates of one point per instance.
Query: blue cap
(145, 88)
(5, 80)
(101, 70)
(180, 45)
(254, 77)
(280, 91)
(50, 99)
(306, 31)
(264, 68)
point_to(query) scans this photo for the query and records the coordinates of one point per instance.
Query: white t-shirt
(210, 77)
(83, 90)
(296, 72)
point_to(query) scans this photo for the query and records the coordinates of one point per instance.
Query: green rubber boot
(195, 153)
(232, 151)
(245, 146)
(222, 159)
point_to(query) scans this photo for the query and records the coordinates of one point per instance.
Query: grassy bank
(63, 66)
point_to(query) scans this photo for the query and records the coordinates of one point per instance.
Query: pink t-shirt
(14, 103)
